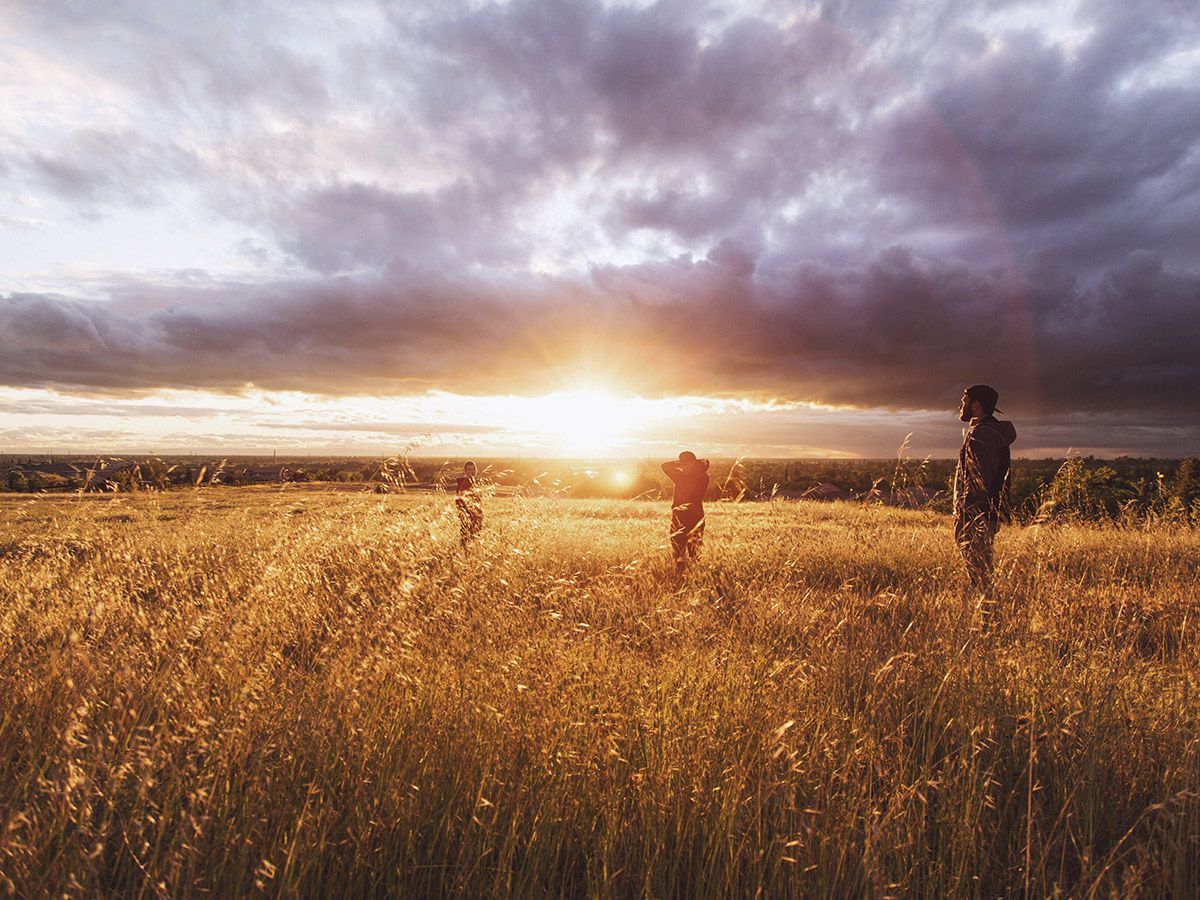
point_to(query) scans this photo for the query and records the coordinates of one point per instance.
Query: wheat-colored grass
(235, 691)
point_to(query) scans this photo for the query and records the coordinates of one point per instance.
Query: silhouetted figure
(469, 504)
(981, 484)
(687, 506)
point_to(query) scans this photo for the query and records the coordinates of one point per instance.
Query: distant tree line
(1126, 488)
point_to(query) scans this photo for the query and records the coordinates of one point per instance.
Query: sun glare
(583, 423)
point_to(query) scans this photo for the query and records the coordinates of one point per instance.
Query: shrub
(1083, 493)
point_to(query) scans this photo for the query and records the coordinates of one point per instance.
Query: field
(223, 692)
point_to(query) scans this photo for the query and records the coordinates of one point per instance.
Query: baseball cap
(985, 394)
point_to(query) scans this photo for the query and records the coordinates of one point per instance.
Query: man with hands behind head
(690, 476)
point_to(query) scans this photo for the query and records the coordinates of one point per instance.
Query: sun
(584, 422)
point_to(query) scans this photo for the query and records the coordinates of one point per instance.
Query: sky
(593, 228)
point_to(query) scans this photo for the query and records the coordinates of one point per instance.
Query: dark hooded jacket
(981, 483)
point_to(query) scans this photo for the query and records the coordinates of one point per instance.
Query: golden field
(227, 692)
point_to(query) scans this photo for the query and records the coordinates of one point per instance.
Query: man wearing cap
(981, 488)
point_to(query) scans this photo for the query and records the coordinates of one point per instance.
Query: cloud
(460, 133)
(391, 429)
(99, 168)
(901, 331)
(1072, 157)
(868, 204)
(348, 226)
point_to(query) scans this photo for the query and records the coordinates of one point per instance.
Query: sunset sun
(588, 422)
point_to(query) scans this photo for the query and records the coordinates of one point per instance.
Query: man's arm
(672, 470)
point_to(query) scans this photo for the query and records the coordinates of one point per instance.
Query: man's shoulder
(992, 431)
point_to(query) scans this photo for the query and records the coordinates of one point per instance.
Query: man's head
(687, 457)
(978, 400)
(469, 468)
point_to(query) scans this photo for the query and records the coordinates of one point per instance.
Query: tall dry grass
(237, 691)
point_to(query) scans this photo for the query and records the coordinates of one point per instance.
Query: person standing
(469, 504)
(981, 482)
(690, 476)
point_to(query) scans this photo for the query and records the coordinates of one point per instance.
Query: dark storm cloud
(902, 331)
(1074, 153)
